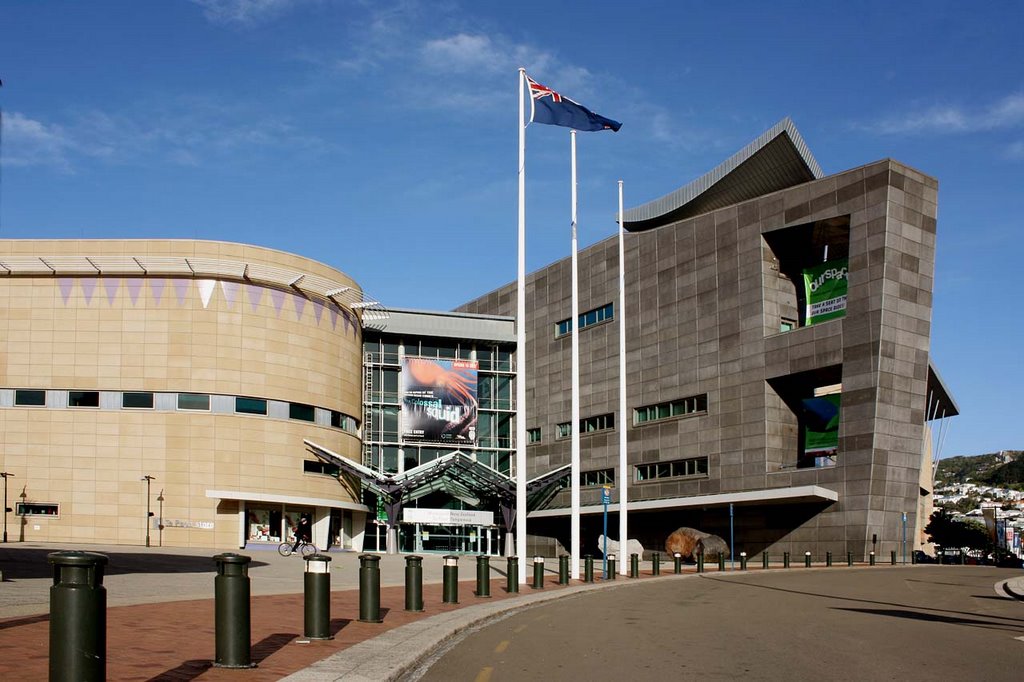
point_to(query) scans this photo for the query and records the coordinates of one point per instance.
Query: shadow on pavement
(270, 645)
(189, 670)
(337, 624)
(29, 620)
(22, 564)
(935, 618)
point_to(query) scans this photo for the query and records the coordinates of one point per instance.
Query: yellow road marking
(484, 675)
(502, 645)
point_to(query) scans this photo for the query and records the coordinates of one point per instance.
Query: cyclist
(303, 533)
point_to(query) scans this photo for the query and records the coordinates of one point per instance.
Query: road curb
(1012, 588)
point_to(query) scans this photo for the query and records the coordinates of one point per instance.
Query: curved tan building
(202, 365)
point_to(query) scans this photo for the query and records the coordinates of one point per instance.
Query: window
(36, 509)
(597, 477)
(587, 319)
(322, 468)
(787, 324)
(533, 435)
(83, 398)
(250, 406)
(680, 468)
(697, 404)
(30, 398)
(601, 422)
(137, 401)
(343, 422)
(305, 413)
(193, 401)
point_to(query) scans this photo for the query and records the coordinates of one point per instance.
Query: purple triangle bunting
(255, 295)
(318, 311)
(66, 285)
(277, 296)
(230, 290)
(134, 286)
(300, 305)
(334, 317)
(181, 289)
(111, 285)
(157, 287)
(88, 288)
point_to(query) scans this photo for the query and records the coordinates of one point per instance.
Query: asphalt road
(905, 623)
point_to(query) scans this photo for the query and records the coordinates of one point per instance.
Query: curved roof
(777, 159)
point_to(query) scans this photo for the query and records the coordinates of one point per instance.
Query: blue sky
(380, 137)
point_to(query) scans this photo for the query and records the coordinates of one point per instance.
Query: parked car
(921, 558)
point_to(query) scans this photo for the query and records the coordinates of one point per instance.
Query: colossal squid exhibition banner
(825, 291)
(821, 430)
(439, 401)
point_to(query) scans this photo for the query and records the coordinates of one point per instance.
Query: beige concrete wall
(166, 334)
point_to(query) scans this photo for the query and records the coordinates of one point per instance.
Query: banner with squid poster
(439, 400)
(821, 431)
(825, 288)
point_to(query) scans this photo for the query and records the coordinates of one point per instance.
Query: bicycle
(305, 548)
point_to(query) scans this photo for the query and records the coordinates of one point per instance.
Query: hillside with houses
(982, 488)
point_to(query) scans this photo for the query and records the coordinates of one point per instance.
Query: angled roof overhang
(776, 160)
(940, 400)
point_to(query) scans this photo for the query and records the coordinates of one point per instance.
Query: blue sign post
(606, 498)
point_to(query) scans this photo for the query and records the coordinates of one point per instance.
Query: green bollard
(764, 560)
(700, 562)
(807, 559)
(611, 567)
(232, 627)
(721, 562)
(483, 576)
(369, 589)
(413, 583)
(892, 557)
(743, 561)
(634, 565)
(316, 586)
(538, 573)
(512, 575)
(563, 569)
(588, 568)
(871, 558)
(963, 558)
(849, 558)
(656, 564)
(450, 578)
(785, 559)
(78, 617)
(828, 559)
(677, 563)
(913, 558)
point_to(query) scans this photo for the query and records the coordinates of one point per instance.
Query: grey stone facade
(704, 300)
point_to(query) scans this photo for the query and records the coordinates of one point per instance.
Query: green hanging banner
(821, 430)
(825, 291)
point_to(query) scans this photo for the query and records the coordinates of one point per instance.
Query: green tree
(944, 531)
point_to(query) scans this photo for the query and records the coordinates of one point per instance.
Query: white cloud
(1015, 151)
(35, 143)
(244, 12)
(1007, 112)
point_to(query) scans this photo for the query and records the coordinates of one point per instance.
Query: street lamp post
(6, 475)
(160, 518)
(149, 514)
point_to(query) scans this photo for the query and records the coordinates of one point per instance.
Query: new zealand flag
(554, 109)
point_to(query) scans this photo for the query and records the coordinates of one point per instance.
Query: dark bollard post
(721, 562)
(316, 584)
(677, 563)
(563, 569)
(913, 558)
(413, 583)
(634, 565)
(828, 559)
(785, 559)
(764, 560)
(231, 607)
(369, 588)
(656, 564)
(871, 558)
(78, 617)
(963, 557)
(892, 557)
(588, 568)
(700, 562)
(849, 558)
(538, 573)
(611, 567)
(483, 575)
(807, 559)
(743, 561)
(512, 575)
(450, 579)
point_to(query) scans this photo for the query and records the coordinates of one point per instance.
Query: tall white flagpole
(574, 561)
(520, 546)
(623, 465)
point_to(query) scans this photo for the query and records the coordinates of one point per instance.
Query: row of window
(697, 404)
(695, 466)
(600, 422)
(489, 358)
(587, 319)
(146, 400)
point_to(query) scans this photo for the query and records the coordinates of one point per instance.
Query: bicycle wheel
(285, 549)
(307, 549)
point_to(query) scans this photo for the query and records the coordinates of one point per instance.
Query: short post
(538, 573)
(871, 558)
(963, 557)
(721, 562)
(743, 561)
(483, 576)
(413, 583)
(785, 559)
(828, 559)
(807, 559)
(764, 560)
(700, 562)
(563, 569)
(849, 558)
(316, 583)
(656, 564)
(588, 568)
(512, 575)
(611, 567)
(634, 565)
(677, 563)
(369, 588)
(78, 617)
(913, 558)
(892, 557)
(450, 579)
(232, 627)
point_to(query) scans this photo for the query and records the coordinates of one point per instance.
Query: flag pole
(623, 466)
(574, 563)
(520, 523)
